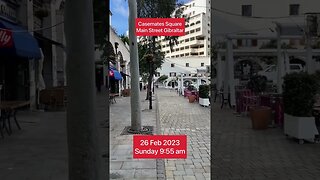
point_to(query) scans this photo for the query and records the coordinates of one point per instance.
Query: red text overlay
(160, 146)
(160, 26)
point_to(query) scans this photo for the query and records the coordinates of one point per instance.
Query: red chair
(249, 100)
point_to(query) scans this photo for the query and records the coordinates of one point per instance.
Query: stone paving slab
(123, 166)
(178, 116)
(243, 153)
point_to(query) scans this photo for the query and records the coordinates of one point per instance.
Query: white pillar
(53, 21)
(182, 91)
(309, 59)
(286, 62)
(32, 83)
(230, 63)
(120, 81)
(219, 71)
(30, 16)
(279, 64)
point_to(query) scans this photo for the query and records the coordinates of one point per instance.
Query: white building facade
(192, 51)
(249, 30)
(196, 41)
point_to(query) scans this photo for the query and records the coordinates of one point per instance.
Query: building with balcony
(38, 37)
(196, 41)
(192, 50)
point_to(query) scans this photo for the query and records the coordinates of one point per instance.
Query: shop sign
(6, 40)
(7, 11)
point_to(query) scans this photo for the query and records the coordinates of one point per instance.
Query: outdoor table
(9, 109)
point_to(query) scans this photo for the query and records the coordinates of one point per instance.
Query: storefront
(19, 52)
(115, 79)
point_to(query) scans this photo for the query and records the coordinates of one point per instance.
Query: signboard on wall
(7, 10)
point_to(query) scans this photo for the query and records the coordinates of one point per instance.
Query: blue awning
(114, 74)
(24, 44)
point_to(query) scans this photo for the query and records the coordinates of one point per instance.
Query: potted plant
(257, 84)
(299, 91)
(260, 115)
(126, 92)
(204, 95)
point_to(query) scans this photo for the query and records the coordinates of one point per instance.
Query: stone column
(53, 21)
(230, 64)
(219, 71)
(32, 83)
(280, 64)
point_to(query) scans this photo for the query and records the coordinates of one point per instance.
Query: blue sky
(120, 14)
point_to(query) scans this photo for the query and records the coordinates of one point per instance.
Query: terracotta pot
(260, 117)
(126, 92)
(192, 98)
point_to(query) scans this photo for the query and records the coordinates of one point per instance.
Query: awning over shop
(43, 38)
(114, 74)
(15, 40)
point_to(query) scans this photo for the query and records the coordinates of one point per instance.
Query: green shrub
(204, 91)
(317, 76)
(257, 83)
(162, 78)
(299, 90)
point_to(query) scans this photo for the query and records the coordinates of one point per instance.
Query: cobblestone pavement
(243, 153)
(178, 116)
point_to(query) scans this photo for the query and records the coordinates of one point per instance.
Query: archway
(295, 60)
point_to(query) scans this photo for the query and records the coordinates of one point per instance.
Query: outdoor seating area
(295, 111)
(9, 110)
(53, 98)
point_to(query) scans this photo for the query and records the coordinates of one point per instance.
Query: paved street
(39, 151)
(122, 165)
(178, 116)
(243, 153)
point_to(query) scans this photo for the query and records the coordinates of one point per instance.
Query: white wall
(225, 23)
(122, 47)
(180, 65)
